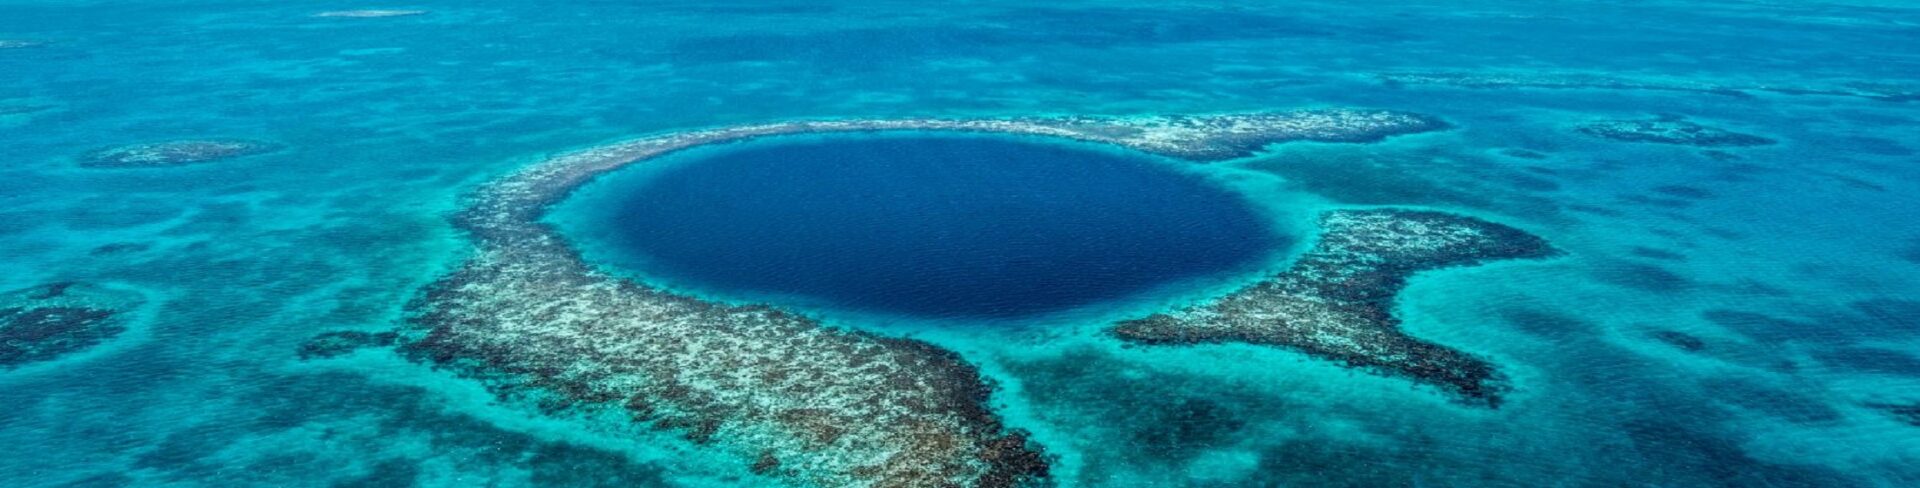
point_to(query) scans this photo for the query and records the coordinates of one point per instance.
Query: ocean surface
(1727, 311)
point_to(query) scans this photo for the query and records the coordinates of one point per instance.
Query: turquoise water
(1734, 316)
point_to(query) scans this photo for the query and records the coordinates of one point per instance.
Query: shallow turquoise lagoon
(1731, 184)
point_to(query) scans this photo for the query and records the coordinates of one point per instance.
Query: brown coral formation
(793, 398)
(1336, 300)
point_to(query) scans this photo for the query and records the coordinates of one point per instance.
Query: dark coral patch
(1782, 403)
(1907, 413)
(1871, 360)
(338, 343)
(1910, 253)
(1692, 456)
(119, 248)
(42, 333)
(1683, 341)
(1758, 325)
(174, 153)
(1642, 276)
(46, 322)
(1892, 315)
(1546, 323)
(1336, 300)
(1132, 416)
(1884, 319)
(1669, 130)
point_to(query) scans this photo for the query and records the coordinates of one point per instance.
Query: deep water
(1735, 316)
(926, 226)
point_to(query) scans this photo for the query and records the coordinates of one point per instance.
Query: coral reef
(368, 14)
(173, 153)
(45, 322)
(1884, 92)
(1213, 138)
(791, 397)
(1336, 300)
(1684, 341)
(1669, 130)
(337, 343)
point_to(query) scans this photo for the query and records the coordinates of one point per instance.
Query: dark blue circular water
(932, 225)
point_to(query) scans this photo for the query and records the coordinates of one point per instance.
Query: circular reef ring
(791, 397)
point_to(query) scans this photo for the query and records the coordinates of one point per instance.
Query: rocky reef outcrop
(1336, 301)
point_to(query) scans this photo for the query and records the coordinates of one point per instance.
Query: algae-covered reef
(793, 398)
(1336, 300)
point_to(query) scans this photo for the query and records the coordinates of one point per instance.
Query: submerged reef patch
(338, 343)
(1909, 253)
(1669, 130)
(1907, 413)
(45, 322)
(1683, 341)
(1336, 300)
(173, 153)
(790, 396)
